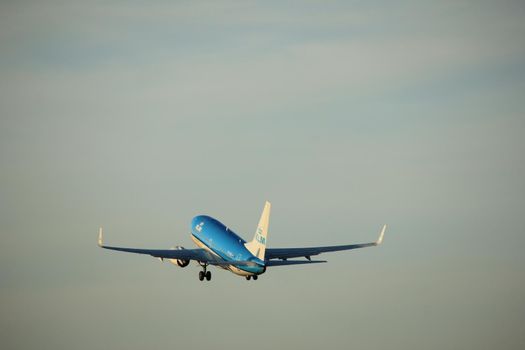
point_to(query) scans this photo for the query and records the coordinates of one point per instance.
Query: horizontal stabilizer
(292, 262)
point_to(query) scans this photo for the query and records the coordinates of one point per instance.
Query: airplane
(221, 247)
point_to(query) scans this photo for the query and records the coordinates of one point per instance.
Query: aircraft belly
(231, 268)
(239, 272)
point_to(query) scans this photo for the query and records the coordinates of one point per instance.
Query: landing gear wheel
(204, 274)
(255, 277)
(248, 278)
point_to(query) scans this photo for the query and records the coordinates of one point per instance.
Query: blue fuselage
(210, 234)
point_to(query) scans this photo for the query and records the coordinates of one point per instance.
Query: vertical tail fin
(258, 245)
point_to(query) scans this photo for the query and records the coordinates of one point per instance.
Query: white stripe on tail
(258, 245)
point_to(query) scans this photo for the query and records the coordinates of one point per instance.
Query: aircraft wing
(270, 263)
(181, 254)
(285, 253)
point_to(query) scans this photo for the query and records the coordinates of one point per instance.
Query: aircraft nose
(195, 221)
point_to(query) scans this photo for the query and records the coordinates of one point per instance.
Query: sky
(138, 115)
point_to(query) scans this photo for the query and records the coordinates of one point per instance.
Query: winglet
(100, 237)
(381, 235)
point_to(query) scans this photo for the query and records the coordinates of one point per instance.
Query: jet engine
(178, 262)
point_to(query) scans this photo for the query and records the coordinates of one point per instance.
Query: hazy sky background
(345, 115)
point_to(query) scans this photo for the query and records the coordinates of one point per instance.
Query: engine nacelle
(178, 262)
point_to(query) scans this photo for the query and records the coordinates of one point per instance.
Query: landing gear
(204, 274)
(250, 277)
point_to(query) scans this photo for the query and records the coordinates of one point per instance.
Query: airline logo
(198, 228)
(259, 238)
